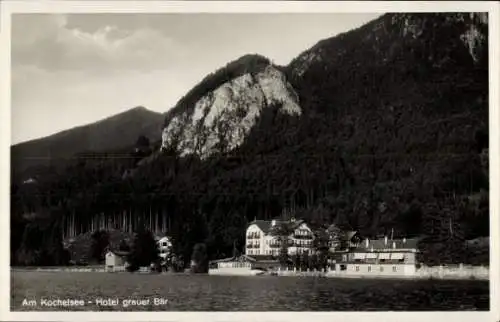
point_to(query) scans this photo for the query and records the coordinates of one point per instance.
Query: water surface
(244, 293)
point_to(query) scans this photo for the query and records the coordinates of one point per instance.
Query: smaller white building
(115, 261)
(164, 246)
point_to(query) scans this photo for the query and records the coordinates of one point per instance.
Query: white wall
(254, 251)
(110, 259)
(377, 269)
(307, 244)
(233, 264)
(113, 260)
(266, 240)
(164, 246)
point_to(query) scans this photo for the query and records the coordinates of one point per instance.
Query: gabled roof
(160, 237)
(263, 225)
(297, 223)
(350, 234)
(242, 258)
(266, 225)
(379, 244)
(263, 258)
(119, 253)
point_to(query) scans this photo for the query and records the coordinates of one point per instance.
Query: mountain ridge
(113, 132)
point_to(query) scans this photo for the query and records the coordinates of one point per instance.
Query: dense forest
(393, 138)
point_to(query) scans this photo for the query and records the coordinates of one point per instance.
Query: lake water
(239, 293)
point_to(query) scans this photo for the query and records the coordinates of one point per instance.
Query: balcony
(302, 244)
(306, 237)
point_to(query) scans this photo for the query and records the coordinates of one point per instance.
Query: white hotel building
(259, 241)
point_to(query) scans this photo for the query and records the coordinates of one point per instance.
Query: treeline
(393, 138)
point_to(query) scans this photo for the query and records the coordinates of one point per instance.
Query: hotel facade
(361, 257)
(260, 241)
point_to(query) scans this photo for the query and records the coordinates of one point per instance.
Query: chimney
(393, 244)
(386, 239)
(367, 242)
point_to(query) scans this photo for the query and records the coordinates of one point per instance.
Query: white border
(9, 7)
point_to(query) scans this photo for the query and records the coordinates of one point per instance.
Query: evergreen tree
(282, 231)
(124, 247)
(144, 250)
(199, 259)
(99, 243)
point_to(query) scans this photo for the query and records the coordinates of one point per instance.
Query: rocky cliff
(223, 117)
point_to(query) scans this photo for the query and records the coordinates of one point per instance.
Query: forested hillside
(392, 137)
(117, 131)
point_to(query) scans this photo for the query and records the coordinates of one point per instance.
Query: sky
(75, 69)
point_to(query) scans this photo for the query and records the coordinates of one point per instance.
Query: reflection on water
(252, 293)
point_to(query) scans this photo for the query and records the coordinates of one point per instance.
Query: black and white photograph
(255, 161)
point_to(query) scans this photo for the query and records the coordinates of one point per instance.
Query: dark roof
(242, 258)
(120, 253)
(316, 226)
(350, 234)
(297, 223)
(264, 225)
(263, 257)
(379, 244)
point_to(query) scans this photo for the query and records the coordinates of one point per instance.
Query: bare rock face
(221, 120)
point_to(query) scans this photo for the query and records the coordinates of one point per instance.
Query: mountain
(115, 132)
(221, 118)
(382, 129)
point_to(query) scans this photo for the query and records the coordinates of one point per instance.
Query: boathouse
(242, 261)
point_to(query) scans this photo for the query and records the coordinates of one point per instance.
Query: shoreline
(421, 276)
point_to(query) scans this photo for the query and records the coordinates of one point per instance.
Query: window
(357, 268)
(369, 268)
(381, 268)
(394, 268)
